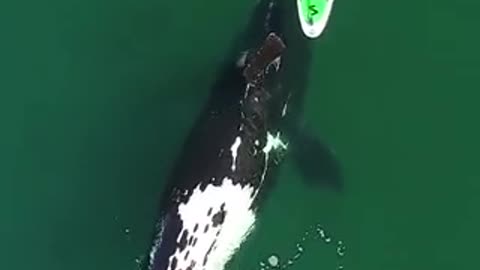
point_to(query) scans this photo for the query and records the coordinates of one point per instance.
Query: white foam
(156, 244)
(273, 143)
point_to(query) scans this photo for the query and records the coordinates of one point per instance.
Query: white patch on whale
(237, 224)
(234, 150)
(242, 59)
(269, 14)
(247, 90)
(284, 109)
(285, 106)
(275, 63)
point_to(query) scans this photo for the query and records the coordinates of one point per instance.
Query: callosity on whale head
(212, 197)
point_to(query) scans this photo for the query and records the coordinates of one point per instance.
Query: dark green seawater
(96, 98)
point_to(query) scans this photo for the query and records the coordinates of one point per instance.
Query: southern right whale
(228, 160)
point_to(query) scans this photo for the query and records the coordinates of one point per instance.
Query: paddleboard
(314, 15)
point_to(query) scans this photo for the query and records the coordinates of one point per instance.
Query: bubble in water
(297, 256)
(299, 248)
(139, 262)
(312, 234)
(273, 261)
(321, 233)
(340, 249)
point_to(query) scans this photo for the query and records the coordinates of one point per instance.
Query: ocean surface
(96, 98)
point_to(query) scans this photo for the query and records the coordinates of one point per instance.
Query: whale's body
(211, 202)
(217, 186)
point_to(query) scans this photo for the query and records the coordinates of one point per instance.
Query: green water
(96, 98)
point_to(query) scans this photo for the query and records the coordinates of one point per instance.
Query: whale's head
(266, 17)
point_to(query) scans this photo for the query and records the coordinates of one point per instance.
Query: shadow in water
(315, 160)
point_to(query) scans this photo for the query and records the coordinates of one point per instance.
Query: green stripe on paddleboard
(313, 10)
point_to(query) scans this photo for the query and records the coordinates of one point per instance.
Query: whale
(231, 156)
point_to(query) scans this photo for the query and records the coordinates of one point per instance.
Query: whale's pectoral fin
(316, 161)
